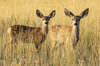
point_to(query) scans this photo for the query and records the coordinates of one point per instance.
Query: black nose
(75, 24)
(46, 22)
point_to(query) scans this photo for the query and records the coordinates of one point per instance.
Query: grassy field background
(24, 12)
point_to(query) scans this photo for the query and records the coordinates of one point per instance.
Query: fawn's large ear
(52, 14)
(68, 13)
(84, 13)
(39, 14)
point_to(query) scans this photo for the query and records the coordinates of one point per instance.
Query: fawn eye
(75, 24)
(46, 22)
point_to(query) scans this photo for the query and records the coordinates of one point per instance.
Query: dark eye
(75, 24)
(46, 22)
(72, 19)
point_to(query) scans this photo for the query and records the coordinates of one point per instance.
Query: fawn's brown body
(27, 34)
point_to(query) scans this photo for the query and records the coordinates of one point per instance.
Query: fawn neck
(75, 32)
(45, 28)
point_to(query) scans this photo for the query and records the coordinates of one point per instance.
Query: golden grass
(24, 12)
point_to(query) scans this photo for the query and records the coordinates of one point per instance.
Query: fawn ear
(68, 13)
(39, 14)
(52, 14)
(84, 13)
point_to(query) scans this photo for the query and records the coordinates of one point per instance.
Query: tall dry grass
(24, 12)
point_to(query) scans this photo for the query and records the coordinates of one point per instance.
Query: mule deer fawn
(27, 34)
(61, 34)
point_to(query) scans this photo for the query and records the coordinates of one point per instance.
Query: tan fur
(61, 34)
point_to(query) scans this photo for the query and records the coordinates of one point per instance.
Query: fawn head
(45, 18)
(76, 19)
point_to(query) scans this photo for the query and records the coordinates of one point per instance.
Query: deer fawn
(61, 34)
(27, 34)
